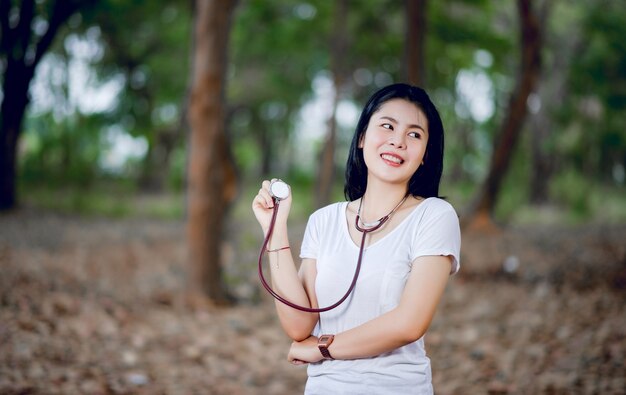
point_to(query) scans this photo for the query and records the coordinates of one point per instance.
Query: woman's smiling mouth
(391, 159)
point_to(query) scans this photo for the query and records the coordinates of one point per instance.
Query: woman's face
(395, 141)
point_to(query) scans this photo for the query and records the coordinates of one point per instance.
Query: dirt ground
(95, 306)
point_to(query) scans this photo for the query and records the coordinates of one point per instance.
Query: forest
(135, 134)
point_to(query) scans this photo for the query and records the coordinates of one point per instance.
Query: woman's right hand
(263, 207)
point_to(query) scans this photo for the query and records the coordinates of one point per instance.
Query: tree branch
(530, 68)
(61, 11)
(5, 9)
(23, 29)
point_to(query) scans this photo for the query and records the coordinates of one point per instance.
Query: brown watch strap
(323, 342)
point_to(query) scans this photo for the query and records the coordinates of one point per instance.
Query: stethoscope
(279, 190)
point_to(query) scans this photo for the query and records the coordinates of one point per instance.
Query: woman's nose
(397, 140)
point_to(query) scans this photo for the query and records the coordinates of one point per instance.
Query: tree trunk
(22, 55)
(211, 178)
(326, 169)
(457, 174)
(414, 43)
(339, 45)
(542, 160)
(15, 86)
(481, 216)
(551, 91)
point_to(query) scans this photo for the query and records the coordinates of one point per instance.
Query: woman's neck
(380, 199)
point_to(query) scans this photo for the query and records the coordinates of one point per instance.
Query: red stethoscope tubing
(354, 279)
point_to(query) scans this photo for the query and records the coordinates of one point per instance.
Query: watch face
(324, 339)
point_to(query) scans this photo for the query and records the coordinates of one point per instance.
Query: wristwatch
(323, 342)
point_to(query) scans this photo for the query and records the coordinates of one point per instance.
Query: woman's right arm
(293, 285)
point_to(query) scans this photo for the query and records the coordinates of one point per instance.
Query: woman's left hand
(304, 352)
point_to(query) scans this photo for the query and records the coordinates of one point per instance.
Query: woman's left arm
(403, 325)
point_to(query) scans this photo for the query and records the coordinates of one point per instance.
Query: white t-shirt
(432, 228)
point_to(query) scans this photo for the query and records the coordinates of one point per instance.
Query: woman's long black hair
(425, 181)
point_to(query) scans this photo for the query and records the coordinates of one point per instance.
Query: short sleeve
(310, 242)
(439, 234)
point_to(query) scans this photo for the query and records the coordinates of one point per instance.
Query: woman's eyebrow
(396, 122)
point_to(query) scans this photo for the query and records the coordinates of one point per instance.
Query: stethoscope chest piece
(279, 189)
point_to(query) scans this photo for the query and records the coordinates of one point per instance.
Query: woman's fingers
(263, 198)
(259, 201)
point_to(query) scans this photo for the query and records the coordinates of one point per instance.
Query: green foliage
(280, 50)
(573, 191)
(107, 198)
(274, 59)
(178, 164)
(59, 152)
(598, 85)
(516, 185)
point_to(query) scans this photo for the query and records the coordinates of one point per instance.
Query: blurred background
(134, 134)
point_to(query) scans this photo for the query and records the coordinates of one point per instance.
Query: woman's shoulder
(435, 208)
(438, 204)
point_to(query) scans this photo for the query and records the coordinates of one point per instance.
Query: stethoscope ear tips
(279, 189)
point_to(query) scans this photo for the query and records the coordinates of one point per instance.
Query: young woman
(373, 342)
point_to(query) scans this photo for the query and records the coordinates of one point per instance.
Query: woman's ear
(361, 139)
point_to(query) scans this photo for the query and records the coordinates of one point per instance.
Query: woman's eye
(387, 126)
(415, 135)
